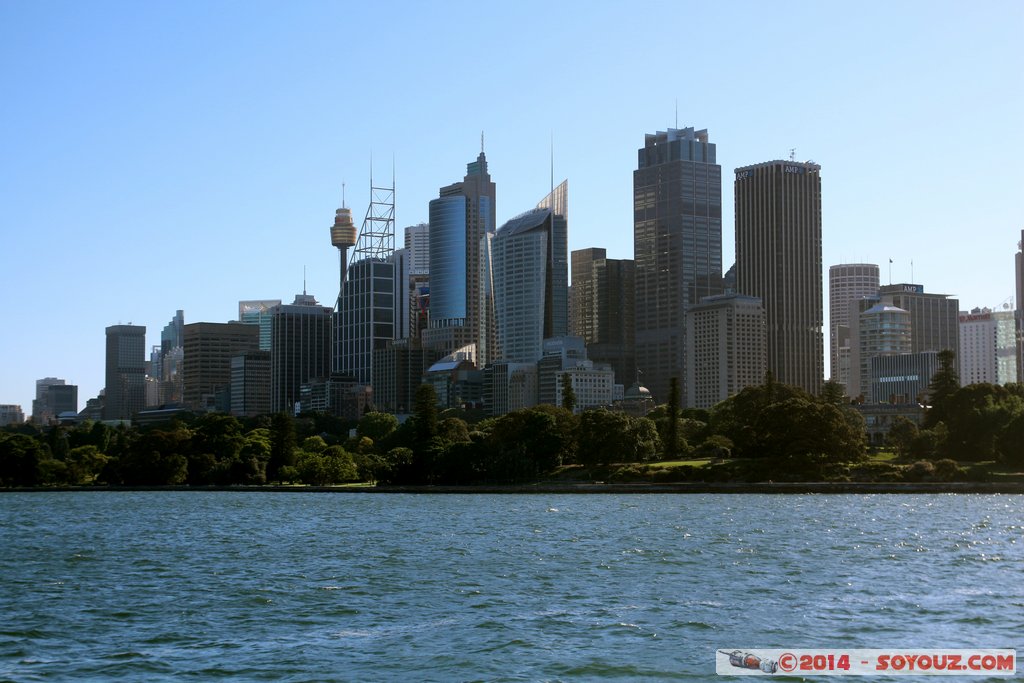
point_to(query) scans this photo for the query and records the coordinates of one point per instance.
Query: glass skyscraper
(459, 218)
(677, 242)
(530, 292)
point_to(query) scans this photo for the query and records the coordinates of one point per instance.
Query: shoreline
(586, 488)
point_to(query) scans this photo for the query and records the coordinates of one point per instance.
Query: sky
(188, 155)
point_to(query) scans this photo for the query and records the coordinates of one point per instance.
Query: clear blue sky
(158, 156)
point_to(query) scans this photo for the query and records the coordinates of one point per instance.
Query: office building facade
(882, 330)
(209, 348)
(459, 218)
(300, 349)
(530, 305)
(257, 312)
(250, 383)
(602, 305)
(987, 347)
(778, 259)
(902, 378)
(934, 318)
(125, 372)
(677, 241)
(847, 282)
(726, 335)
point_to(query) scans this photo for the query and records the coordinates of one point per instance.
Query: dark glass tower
(126, 372)
(677, 242)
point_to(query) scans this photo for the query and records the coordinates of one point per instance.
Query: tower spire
(481, 142)
(552, 161)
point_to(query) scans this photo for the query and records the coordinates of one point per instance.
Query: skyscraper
(987, 347)
(206, 371)
(847, 282)
(934, 318)
(125, 372)
(882, 330)
(778, 259)
(300, 349)
(365, 316)
(677, 240)
(603, 305)
(417, 241)
(1019, 312)
(725, 335)
(171, 360)
(53, 397)
(257, 312)
(459, 218)
(530, 292)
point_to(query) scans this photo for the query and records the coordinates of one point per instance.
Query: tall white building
(987, 347)
(531, 273)
(847, 283)
(417, 242)
(726, 335)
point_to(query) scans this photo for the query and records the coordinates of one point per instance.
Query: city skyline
(154, 174)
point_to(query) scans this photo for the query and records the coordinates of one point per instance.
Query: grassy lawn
(883, 456)
(666, 464)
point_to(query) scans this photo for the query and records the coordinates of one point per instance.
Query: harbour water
(319, 586)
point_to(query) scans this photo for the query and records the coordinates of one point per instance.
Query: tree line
(781, 430)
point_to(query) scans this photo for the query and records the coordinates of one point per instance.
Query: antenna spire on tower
(481, 142)
(552, 161)
(343, 194)
(677, 113)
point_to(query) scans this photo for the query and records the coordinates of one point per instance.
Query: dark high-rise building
(603, 304)
(250, 383)
(206, 366)
(365, 318)
(53, 397)
(126, 372)
(300, 347)
(677, 240)
(778, 258)
(398, 372)
(459, 218)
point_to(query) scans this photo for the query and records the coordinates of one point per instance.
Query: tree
(282, 445)
(832, 392)
(84, 464)
(425, 413)
(672, 431)
(901, 435)
(377, 426)
(975, 415)
(944, 384)
(20, 458)
(568, 395)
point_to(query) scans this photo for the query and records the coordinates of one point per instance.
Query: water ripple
(303, 587)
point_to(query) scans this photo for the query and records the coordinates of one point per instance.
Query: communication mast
(377, 236)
